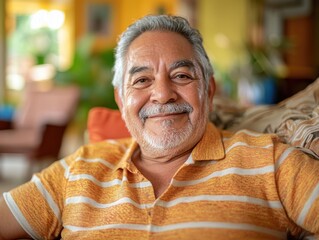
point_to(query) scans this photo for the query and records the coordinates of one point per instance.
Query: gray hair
(162, 23)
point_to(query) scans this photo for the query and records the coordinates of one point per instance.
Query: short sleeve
(297, 177)
(38, 204)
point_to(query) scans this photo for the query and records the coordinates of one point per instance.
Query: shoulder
(251, 143)
(106, 153)
(105, 148)
(250, 137)
(254, 144)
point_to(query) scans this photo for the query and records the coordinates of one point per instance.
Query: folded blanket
(302, 133)
(295, 120)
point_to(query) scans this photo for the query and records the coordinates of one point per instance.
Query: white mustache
(168, 108)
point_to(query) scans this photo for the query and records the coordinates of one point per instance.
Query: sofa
(295, 120)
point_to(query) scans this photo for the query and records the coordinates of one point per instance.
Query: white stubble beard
(170, 138)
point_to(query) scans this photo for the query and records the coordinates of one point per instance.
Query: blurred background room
(56, 59)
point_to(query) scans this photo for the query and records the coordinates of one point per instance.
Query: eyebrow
(182, 63)
(137, 69)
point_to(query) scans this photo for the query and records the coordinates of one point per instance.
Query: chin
(168, 139)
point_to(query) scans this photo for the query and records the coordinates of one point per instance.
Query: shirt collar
(126, 162)
(210, 147)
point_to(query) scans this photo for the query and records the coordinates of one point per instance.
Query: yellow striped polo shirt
(232, 186)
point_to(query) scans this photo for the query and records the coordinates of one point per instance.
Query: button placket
(149, 198)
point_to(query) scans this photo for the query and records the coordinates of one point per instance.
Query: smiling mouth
(165, 110)
(164, 115)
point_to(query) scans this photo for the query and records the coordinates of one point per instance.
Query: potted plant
(92, 72)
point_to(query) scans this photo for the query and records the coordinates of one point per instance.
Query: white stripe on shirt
(238, 144)
(179, 226)
(234, 198)
(47, 196)
(66, 168)
(112, 183)
(92, 202)
(227, 171)
(221, 225)
(283, 157)
(303, 214)
(95, 160)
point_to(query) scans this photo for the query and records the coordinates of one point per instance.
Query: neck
(159, 170)
(164, 157)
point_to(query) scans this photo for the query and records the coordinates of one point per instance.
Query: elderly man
(178, 177)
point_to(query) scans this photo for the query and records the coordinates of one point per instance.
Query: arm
(298, 186)
(34, 209)
(9, 226)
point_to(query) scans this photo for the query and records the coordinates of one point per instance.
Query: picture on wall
(99, 21)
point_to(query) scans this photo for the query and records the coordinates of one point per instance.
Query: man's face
(164, 103)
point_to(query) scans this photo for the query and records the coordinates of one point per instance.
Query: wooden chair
(39, 125)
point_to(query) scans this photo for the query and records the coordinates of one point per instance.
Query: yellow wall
(134, 9)
(223, 24)
(224, 28)
(124, 13)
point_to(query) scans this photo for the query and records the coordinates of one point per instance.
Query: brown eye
(141, 82)
(182, 76)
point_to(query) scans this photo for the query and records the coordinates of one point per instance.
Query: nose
(163, 91)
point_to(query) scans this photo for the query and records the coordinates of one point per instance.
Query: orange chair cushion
(104, 123)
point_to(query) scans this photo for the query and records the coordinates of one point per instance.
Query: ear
(211, 92)
(118, 99)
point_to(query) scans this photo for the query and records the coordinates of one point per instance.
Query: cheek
(203, 98)
(195, 96)
(202, 92)
(198, 101)
(133, 103)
